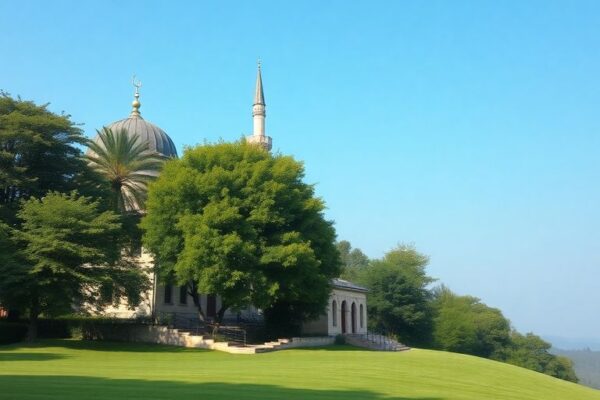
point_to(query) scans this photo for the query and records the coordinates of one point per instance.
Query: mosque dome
(156, 138)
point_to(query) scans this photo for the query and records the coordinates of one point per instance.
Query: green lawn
(63, 369)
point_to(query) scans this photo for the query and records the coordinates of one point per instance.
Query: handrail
(381, 340)
(232, 334)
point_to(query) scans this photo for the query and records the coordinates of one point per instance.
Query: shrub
(12, 332)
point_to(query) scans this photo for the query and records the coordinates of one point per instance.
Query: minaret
(259, 114)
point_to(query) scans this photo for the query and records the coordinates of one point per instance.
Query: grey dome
(157, 139)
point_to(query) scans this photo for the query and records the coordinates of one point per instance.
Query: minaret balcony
(265, 141)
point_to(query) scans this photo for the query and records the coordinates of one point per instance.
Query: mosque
(347, 308)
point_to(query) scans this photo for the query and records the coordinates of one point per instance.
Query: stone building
(347, 308)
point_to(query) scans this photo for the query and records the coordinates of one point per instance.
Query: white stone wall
(144, 309)
(350, 297)
(325, 325)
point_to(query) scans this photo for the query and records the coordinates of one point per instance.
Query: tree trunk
(193, 291)
(219, 318)
(221, 313)
(34, 313)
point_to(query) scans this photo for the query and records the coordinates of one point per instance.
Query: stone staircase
(195, 338)
(375, 341)
(188, 338)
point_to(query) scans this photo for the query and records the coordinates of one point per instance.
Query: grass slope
(95, 370)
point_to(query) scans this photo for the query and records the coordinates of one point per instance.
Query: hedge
(12, 332)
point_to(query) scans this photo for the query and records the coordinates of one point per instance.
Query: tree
(353, 260)
(68, 255)
(463, 324)
(38, 153)
(126, 164)
(398, 295)
(532, 352)
(233, 220)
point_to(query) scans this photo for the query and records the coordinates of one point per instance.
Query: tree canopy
(126, 164)
(353, 260)
(464, 324)
(398, 295)
(532, 352)
(68, 255)
(38, 153)
(239, 222)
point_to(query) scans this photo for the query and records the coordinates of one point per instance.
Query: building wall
(330, 323)
(153, 300)
(317, 326)
(144, 309)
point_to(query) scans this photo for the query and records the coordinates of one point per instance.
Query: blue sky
(469, 129)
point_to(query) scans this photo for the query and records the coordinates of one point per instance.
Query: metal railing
(231, 334)
(193, 324)
(380, 340)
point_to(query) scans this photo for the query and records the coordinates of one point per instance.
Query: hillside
(586, 364)
(76, 370)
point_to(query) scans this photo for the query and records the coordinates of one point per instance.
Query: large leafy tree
(126, 164)
(398, 295)
(231, 219)
(67, 254)
(38, 152)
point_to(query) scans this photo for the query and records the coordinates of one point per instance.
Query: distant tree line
(403, 303)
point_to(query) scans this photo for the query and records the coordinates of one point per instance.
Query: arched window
(334, 312)
(362, 316)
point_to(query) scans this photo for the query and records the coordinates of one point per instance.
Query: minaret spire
(259, 96)
(259, 114)
(135, 112)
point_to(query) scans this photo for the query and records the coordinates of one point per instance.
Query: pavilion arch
(353, 318)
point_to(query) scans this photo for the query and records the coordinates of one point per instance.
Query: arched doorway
(353, 317)
(344, 311)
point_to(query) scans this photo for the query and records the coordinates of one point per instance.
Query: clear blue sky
(469, 129)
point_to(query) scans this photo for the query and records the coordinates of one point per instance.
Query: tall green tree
(398, 295)
(239, 222)
(68, 255)
(38, 152)
(464, 324)
(126, 164)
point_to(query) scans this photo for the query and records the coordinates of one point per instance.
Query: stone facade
(346, 312)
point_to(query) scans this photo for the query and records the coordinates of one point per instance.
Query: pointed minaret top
(258, 116)
(259, 96)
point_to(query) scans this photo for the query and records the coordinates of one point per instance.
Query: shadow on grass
(78, 387)
(18, 356)
(101, 345)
